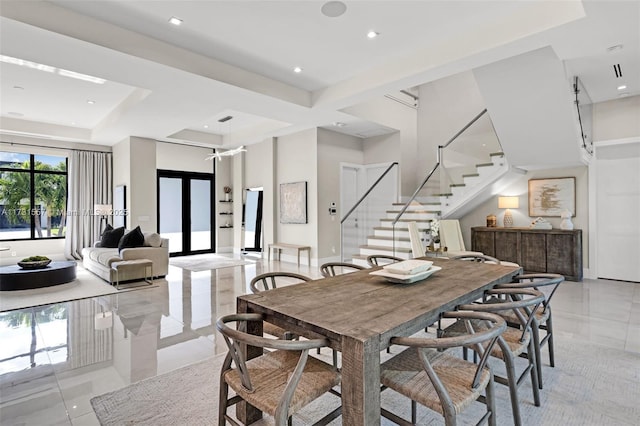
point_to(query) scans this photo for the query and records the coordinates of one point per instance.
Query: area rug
(85, 285)
(206, 262)
(580, 390)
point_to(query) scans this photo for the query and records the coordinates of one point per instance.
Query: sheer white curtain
(89, 182)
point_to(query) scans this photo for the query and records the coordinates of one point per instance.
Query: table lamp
(102, 210)
(508, 203)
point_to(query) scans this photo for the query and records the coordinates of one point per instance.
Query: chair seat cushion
(269, 375)
(405, 374)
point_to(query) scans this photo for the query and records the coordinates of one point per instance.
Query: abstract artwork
(550, 197)
(293, 202)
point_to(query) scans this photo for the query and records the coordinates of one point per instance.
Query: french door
(185, 213)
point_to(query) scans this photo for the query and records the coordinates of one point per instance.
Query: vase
(226, 196)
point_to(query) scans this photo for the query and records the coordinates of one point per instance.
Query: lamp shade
(102, 209)
(508, 202)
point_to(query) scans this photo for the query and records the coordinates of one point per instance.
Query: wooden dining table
(359, 313)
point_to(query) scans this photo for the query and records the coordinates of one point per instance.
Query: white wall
(397, 116)
(171, 156)
(617, 119)
(521, 215)
(297, 161)
(144, 198)
(259, 171)
(333, 149)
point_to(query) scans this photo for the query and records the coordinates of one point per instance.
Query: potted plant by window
(227, 193)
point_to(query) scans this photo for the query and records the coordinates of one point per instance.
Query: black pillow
(111, 237)
(106, 228)
(135, 238)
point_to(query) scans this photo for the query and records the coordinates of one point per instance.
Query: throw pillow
(110, 238)
(106, 228)
(152, 239)
(135, 238)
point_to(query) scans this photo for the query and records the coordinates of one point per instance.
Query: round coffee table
(15, 278)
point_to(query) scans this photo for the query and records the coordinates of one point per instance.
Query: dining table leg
(360, 382)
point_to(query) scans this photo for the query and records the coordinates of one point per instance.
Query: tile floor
(55, 358)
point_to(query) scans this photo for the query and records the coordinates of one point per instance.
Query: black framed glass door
(185, 211)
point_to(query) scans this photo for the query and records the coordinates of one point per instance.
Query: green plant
(35, 259)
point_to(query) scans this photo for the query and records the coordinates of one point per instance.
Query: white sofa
(99, 259)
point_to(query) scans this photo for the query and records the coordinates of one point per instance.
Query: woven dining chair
(440, 380)
(382, 259)
(542, 319)
(268, 281)
(279, 382)
(331, 269)
(513, 342)
(479, 258)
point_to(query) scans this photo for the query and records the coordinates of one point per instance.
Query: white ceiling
(236, 58)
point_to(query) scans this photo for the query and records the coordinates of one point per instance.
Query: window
(33, 196)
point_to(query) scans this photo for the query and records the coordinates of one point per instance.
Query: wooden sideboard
(536, 250)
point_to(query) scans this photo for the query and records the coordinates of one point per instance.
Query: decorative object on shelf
(227, 193)
(566, 221)
(540, 223)
(508, 203)
(293, 202)
(434, 230)
(492, 221)
(550, 197)
(34, 262)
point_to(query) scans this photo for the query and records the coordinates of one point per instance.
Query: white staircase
(461, 198)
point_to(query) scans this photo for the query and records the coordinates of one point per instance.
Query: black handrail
(438, 162)
(395, 163)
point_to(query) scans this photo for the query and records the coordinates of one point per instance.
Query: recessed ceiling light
(91, 102)
(73, 123)
(175, 21)
(339, 124)
(624, 86)
(206, 126)
(297, 70)
(333, 9)
(28, 64)
(615, 48)
(372, 34)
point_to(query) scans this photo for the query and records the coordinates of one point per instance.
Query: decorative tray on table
(407, 271)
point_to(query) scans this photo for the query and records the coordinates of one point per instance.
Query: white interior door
(618, 212)
(350, 182)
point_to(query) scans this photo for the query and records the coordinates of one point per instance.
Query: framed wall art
(293, 202)
(550, 197)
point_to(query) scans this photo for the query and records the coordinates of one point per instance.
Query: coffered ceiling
(236, 58)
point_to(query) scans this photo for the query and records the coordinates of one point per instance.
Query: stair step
(414, 211)
(389, 228)
(387, 249)
(408, 220)
(457, 185)
(485, 165)
(445, 194)
(496, 154)
(417, 204)
(377, 237)
(471, 175)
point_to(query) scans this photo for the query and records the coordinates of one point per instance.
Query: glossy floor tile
(55, 358)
